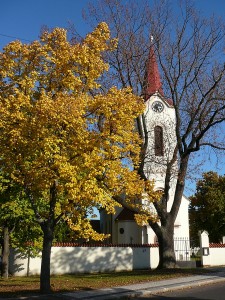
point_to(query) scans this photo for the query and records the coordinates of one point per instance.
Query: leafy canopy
(61, 139)
(207, 209)
(16, 213)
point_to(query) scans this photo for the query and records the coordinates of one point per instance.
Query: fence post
(204, 247)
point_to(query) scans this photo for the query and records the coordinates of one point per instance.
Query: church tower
(160, 125)
(160, 120)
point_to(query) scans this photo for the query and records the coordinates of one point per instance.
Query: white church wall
(108, 225)
(182, 221)
(155, 166)
(129, 233)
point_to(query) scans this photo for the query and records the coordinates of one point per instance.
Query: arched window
(158, 131)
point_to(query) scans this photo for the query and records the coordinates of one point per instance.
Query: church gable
(125, 215)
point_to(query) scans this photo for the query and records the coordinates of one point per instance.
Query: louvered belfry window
(158, 131)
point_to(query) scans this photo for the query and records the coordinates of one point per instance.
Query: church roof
(152, 76)
(125, 215)
(169, 101)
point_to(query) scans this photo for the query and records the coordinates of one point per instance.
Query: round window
(121, 230)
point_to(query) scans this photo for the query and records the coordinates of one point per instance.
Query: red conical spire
(152, 77)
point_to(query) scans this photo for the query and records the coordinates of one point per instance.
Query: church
(160, 123)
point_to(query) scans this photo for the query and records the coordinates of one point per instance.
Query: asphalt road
(215, 291)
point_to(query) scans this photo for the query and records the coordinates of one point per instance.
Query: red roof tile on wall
(216, 245)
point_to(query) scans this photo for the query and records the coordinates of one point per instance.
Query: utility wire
(14, 37)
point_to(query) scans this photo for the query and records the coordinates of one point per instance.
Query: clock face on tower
(157, 106)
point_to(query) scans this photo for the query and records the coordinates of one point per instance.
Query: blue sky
(24, 18)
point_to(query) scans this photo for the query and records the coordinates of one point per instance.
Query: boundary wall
(211, 254)
(217, 254)
(69, 259)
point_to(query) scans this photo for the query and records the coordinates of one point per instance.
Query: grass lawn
(25, 286)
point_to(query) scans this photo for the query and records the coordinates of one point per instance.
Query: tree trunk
(167, 259)
(48, 230)
(5, 255)
(165, 235)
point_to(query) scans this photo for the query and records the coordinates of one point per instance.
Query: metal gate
(182, 249)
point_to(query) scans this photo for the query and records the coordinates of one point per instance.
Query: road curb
(151, 290)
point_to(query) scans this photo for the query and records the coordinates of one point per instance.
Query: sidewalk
(138, 290)
(148, 288)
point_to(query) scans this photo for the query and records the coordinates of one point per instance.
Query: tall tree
(68, 145)
(16, 213)
(207, 208)
(190, 52)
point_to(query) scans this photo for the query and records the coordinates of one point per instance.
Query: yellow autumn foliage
(58, 130)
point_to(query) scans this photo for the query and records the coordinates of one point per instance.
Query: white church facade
(160, 123)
